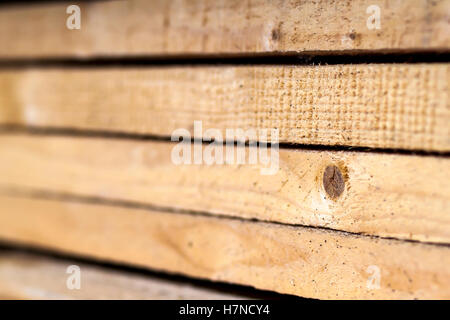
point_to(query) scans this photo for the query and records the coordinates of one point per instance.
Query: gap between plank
(86, 133)
(306, 58)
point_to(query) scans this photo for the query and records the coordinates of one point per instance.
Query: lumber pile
(202, 139)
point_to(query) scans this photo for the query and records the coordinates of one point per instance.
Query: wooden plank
(387, 195)
(29, 276)
(162, 27)
(303, 261)
(382, 106)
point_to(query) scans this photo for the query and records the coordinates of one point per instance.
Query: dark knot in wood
(333, 181)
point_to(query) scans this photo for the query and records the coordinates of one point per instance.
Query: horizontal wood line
(281, 58)
(223, 287)
(86, 133)
(95, 200)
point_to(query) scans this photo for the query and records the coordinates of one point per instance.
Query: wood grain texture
(383, 106)
(208, 26)
(398, 196)
(303, 261)
(28, 276)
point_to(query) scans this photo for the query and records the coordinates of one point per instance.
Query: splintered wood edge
(306, 262)
(388, 106)
(387, 195)
(164, 27)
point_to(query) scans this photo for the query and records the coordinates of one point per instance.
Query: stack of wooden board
(360, 204)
